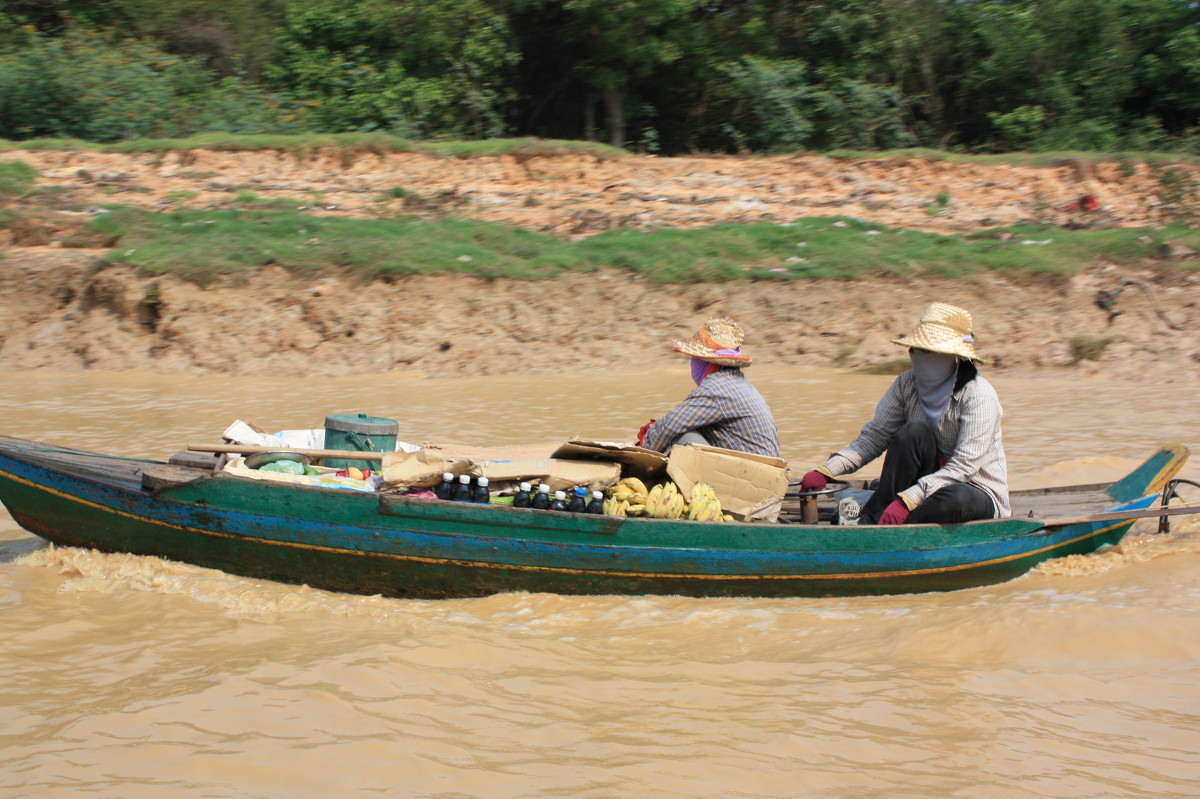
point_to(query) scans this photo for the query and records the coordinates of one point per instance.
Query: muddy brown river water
(136, 677)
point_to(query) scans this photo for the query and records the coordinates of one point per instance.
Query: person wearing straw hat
(939, 424)
(724, 409)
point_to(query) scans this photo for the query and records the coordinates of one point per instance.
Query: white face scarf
(935, 373)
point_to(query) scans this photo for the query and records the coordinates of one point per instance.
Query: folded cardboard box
(501, 465)
(645, 464)
(750, 487)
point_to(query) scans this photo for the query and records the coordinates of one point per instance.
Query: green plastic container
(358, 431)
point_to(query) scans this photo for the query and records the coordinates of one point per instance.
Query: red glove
(642, 433)
(896, 513)
(813, 481)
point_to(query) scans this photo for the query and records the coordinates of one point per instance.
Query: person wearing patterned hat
(724, 409)
(939, 424)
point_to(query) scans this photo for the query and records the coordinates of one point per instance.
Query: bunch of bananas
(629, 497)
(626, 498)
(665, 502)
(704, 507)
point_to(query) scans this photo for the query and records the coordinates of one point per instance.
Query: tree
(623, 42)
(416, 67)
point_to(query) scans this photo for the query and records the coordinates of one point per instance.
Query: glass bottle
(560, 501)
(542, 500)
(445, 489)
(522, 498)
(578, 503)
(462, 491)
(597, 503)
(481, 494)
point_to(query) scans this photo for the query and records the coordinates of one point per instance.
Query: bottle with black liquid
(597, 503)
(578, 503)
(462, 491)
(560, 501)
(542, 500)
(481, 494)
(445, 489)
(522, 498)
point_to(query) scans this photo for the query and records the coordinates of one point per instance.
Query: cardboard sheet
(502, 466)
(750, 487)
(645, 464)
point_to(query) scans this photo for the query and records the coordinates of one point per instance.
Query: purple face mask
(702, 369)
(935, 375)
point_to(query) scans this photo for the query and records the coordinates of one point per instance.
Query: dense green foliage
(656, 75)
(200, 245)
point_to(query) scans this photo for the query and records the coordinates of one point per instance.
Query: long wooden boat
(379, 543)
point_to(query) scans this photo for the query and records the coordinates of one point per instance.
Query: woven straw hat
(716, 334)
(943, 328)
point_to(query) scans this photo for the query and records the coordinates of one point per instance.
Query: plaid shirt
(727, 410)
(968, 440)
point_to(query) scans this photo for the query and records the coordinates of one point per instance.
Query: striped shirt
(968, 440)
(727, 410)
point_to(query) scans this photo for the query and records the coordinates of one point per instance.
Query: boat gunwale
(787, 573)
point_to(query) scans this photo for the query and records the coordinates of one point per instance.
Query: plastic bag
(283, 467)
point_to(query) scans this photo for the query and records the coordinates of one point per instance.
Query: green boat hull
(382, 544)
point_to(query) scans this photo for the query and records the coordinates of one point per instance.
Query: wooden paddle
(342, 454)
(1121, 515)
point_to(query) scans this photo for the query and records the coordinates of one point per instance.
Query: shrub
(86, 84)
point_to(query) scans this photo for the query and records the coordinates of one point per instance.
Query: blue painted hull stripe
(482, 564)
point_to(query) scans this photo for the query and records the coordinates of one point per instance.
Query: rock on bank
(60, 311)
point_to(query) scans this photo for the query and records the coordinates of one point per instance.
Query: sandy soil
(59, 311)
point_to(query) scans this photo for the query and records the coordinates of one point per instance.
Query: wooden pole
(1121, 515)
(244, 449)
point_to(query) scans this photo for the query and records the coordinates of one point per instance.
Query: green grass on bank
(1021, 158)
(200, 245)
(303, 144)
(16, 177)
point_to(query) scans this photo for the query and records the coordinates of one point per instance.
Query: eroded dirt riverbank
(60, 311)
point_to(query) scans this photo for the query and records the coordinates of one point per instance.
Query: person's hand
(896, 513)
(813, 481)
(642, 433)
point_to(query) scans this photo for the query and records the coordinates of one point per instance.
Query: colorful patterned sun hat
(719, 341)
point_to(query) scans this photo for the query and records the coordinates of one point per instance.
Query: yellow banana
(653, 499)
(613, 507)
(636, 510)
(637, 485)
(714, 511)
(620, 492)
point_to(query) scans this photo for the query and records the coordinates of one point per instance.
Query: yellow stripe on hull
(567, 570)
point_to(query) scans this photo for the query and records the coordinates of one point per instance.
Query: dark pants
(912, 454)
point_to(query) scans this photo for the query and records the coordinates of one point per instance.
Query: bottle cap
(448, 477)
(560, 494)
(580, 491)
(597, 495)
(464, 478)
(482, 481)
(525, 487)
(544, 487)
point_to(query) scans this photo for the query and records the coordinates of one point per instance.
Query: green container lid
(362, 423)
